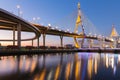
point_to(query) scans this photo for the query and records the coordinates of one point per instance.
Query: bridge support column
(90, 43)
(83, 31)
(116, 41)
(103, 42)
(61, 41)
(19, 35)
(13, 35)
(32, 42)
(44, 38)
(38, 42)
(82, 43)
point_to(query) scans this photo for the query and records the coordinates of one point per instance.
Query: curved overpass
(9, 21)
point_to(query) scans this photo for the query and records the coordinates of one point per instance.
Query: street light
(56, 27)
(21, 13)
(38, 18)
(49, 25)
(18, 7)
(35, 19)
(68, 30)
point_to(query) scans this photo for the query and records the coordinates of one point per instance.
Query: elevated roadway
(9, 21)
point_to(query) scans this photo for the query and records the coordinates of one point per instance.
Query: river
(62, 66)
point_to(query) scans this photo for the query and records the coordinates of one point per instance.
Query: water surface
(72, 66)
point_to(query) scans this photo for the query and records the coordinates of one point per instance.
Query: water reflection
(76, 66)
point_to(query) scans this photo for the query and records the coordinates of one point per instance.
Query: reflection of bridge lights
(112, 61)
(90, 67)
(67, 71)
(114, 70)
(42, 75)
(57, 72)
(106, 62)
(109, 61)
(118, 58)
(95, 66)
(50, 75)
(77, 70)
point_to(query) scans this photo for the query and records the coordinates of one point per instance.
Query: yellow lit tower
(79, 23)
(115, 36)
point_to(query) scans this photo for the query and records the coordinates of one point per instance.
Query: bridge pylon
(79, 23)
(115, 36)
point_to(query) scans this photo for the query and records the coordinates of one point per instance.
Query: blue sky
(102, 13)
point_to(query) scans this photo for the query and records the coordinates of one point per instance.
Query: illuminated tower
(79, 23)
(115, 36)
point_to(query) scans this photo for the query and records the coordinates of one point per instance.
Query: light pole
(18, 7)
(34, 19)
(21, 13)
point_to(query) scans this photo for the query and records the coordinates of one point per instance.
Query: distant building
(118, 45)
(69, 46)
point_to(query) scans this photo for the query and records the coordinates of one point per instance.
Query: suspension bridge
(9, 21)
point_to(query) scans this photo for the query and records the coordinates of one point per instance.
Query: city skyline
(50, 12)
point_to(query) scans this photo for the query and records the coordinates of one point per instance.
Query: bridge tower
(114, 34)
(79, 23)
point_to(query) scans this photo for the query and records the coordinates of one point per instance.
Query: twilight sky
(102, 13)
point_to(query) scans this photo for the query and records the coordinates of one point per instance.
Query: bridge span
(9, 21)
